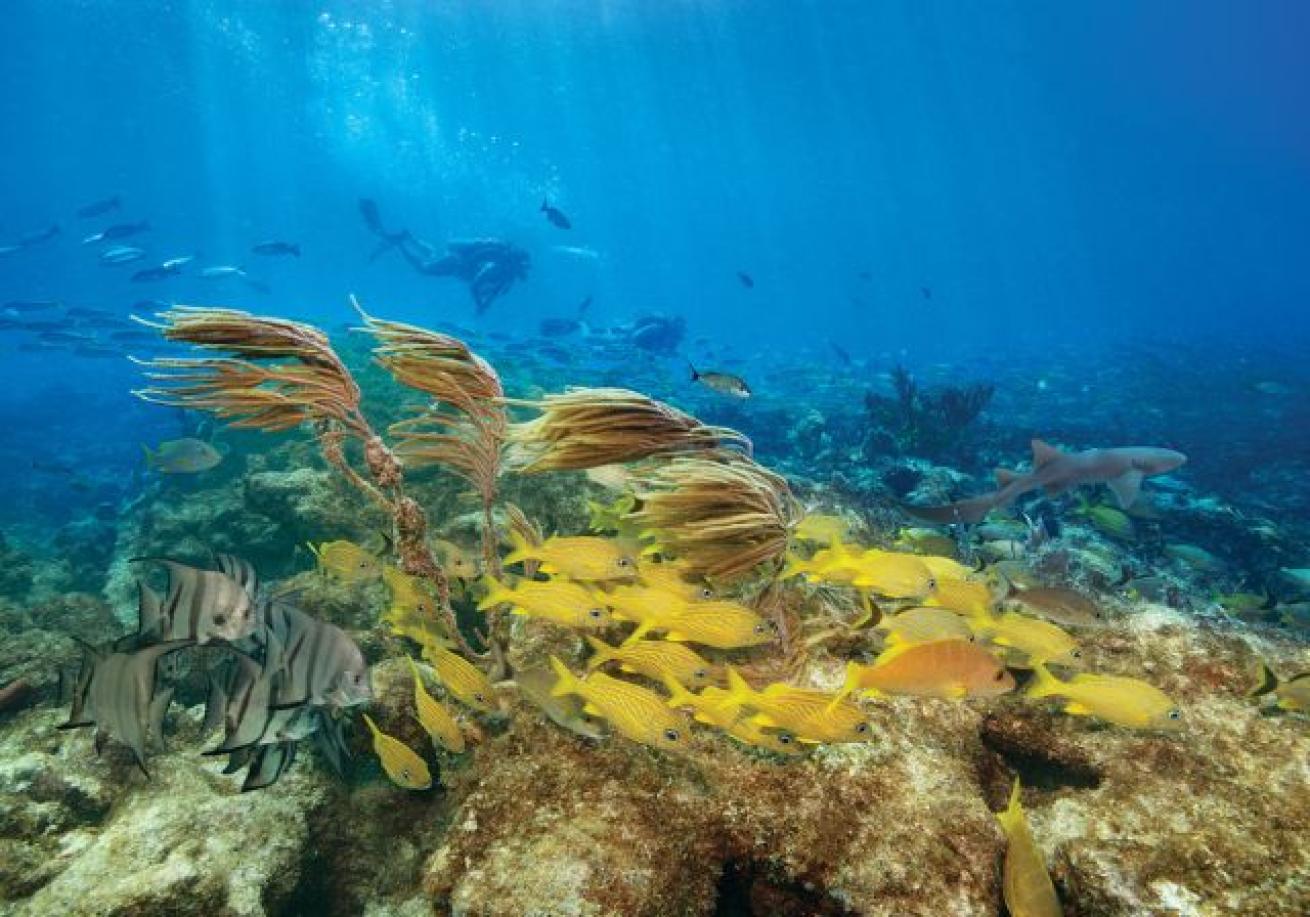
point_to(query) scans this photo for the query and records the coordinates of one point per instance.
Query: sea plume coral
(465, 426)
(721, 515)
(590, 427)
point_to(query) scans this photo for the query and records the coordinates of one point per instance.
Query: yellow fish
(944, 668)
(1027, 885)
(707, 707)
(1114, 698)
(581, 557)
(347, 561)
(670, 577)
(434, 717)
(1293, 694)
(654, 659)
(456, 561)
(1039, 641)
(412, 612)
(945, 567)
(812, 716)
(837, 564)
(722, 625)
(972, 598)
(406, 769)
(561, 601)
(896, 576)
(612, 517)
(651, 608)
(461, 678)
(821, 528)
(633, 711)
(924, 625)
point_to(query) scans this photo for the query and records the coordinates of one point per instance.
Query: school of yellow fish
(667, 649)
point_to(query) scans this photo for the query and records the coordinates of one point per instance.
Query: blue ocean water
(1008, 188)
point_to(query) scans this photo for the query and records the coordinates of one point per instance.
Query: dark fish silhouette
(926, 291)
(555, 215)
(100, 207)
(746, 280)
(118, 231)
(277, 248)
(25, 306)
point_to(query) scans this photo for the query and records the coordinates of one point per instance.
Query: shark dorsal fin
(1005, 477)
(1126, 488)
(1044, 453)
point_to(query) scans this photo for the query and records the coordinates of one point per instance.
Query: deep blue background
(1055, 173)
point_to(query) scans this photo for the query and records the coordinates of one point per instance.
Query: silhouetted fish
(277, 248)
(555, 216)
(100, 207)
(746, 280)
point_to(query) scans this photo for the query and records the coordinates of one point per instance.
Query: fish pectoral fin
(765, 721)
(1126, 488)
(591, 710)
(1073, 708)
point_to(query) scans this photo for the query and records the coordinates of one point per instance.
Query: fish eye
(595, 614)
(701, 673)
(1000, 674)
(624, 562)
(479, 698)
(761, 628)
(220, 619)
(862, 728)
(932, 584)
(672, 735)
(1175, 714)
(706, 593)
(1076, 654)
(363, 565)
(785, 738)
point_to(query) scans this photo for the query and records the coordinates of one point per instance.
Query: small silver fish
(723, 383)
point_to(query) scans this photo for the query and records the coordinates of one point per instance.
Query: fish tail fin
(739, 690)
(1044, 683)
(294, 249)
(565, 682)
(695, 376)
(497, 594)
(679, 696)
(1266, 680)
(1013, 812)
(602, 652)
(521, 549)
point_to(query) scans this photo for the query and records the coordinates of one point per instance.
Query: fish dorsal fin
(1005, 477)
(148, 611)
(1126, 487)
(1044, 453)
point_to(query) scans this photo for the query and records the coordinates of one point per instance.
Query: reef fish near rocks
(1026, 883)
(182, 456)
(633, 711)
(116, 693)
(1114, 698)
(201, 605)
(405, 768)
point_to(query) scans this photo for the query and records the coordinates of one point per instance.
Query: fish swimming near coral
(455, 560)
(320, 664)
(708, 707)
(1292, 694)
(182, 456)
(655, 659)
(580, 557)
(347, 561)
(116, 692)
(812, 716)
(432, 715)
(405, 768)
(1121, 469)
(461, 678)
(202, 605)
(721, 624)
(560, 601)
(536, 684)
(950, 668)
(635, 712)
(924, 625)
(822, 528)
(1116, 699)
(1037, 641)
(1026, 884)
(1057, 604)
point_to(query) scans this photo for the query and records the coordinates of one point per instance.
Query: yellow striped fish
(559, 600)
(633, 711)
(461, 678)
(1027, 885)
(406, 769)
(654, 659)
(433, 717)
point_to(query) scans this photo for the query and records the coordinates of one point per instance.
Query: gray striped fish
(202, 605)
(116, 693)
(321, 665)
